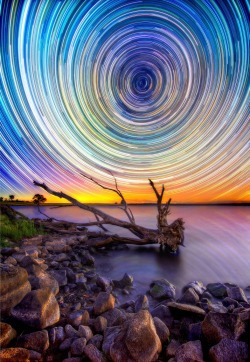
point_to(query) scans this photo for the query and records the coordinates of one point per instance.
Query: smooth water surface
(217, 240)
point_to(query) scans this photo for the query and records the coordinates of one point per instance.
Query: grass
(14, 231)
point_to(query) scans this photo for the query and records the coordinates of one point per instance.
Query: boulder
(126, 281)
(114, 317)
(161, 330)
(77, 346)
(37, 341)
(189, 297)
(229, 350)
(44, 280)
(103, 283)
(196, 285)
(164, 314)
(242, 328)
(60, 276)
(7, 333)
(86, 258)
(86, 332)
(103, 302)
(96, 341)
(194, 331)
(172, 348)
(71, 332)
(75, 318)
(14, 285)
(14, 355)
(38, 309)
(137, 340)
(189, 352)
(162, 289)
(141, 303)
(57, 335)
(218, 290)
(108, 339)
(217, 326)
(100, 324)
(237, 293)
(185, 309)
(92, 353)
(57, 246)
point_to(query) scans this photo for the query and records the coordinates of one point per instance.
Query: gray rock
(60, 276)
(14, 285)
(190, 351)
(162, 289)
(77, 346)
(172, 348)
(7, 333)
(103, 302)
(161, 330)
(229, 350)
(37, 341)
(14, 355)
(126, 281)
(217, 326)
(237, 293)
(141, 303)
(38, 309)
(93, 354)
(197, 286)
(218, 290)
(86, 332)
(189, 297)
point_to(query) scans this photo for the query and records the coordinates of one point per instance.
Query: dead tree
(170, 236)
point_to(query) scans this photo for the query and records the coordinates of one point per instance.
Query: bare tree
(170, 236)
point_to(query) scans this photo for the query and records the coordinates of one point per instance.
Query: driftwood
(170, 236)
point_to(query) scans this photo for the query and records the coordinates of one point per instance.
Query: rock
(197, 286)
(87, 259)
(103, 283)
(109, 337)
(189, 352)
(72, 359)
(96, 341)
(85, 318)
(92, 353)
(164, 314)
(100, 324)
(103, 302)
(7, 333)
(44, 280)
(38, 309)
(10, 260)
(162, 289)
(37, 240)
(86, 332)
(38, 341)
(80, 278)
(70, 331)
(229, 350)
(61, 257)
(57, 246)
(14, 355)
(35, 356)
(229, 302)
(126, 281)
(189, 297)
(172, 348)
(141, 303)
(180, 308)
(218, 290)
(14, 285)
(194, 331)
(75, 318)
(77, 346)
(242, 328)
(60, 276)
(57, 335)
(161, 330)
(237, 293)
(66, 344)
(114, 317)
(217, 326)
(137, 340)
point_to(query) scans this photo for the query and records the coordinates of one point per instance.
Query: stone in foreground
(229, 350)
(38, 341)
(189, 352)
(104, 302)
(7, 333)
(39, 309)
(162, 289)
(217, 326)
(14, 355)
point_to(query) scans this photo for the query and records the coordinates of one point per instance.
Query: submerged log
(170, 236)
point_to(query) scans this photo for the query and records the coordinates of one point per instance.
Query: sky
(135, 89)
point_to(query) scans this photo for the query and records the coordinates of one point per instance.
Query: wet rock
(14, 355)
(14, 285)
(37, 341)
(92, 353)
(114, 317)
(103, 283)
(189, 352)
(57, 335)
(141, 303)
(96, 341)
(189, 297)
(103, 302)
(100, 324)
(126, 281)
(137, 340)
(181, 309)
(217, 326)
(60, 276)
(162, 289)
(77, 346)
(7, 333)
(237, 293)
(218, 290)
(161, 330)
(38, 309)
(172, 348)
(229, 350)
(86, 332)
(197, 286)
(164, 314)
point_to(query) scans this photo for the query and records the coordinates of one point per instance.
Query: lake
(217, 245)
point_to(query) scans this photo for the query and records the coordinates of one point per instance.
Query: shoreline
(82, 317)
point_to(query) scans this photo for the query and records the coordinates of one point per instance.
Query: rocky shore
(55, 307)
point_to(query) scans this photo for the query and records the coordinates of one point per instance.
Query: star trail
(142, 89)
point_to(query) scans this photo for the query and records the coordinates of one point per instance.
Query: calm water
(217, 240)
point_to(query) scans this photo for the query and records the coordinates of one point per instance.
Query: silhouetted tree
(1, 199)
(11, 197)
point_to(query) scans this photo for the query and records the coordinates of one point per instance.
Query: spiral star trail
(140, 89)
